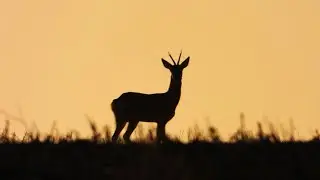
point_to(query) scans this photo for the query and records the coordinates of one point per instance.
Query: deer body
(134, 107)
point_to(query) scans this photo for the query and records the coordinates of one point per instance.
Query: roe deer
(133, 107)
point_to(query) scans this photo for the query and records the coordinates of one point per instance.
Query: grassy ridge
(246, 155)
(84, 159)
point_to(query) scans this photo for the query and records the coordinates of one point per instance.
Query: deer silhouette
(135, 107)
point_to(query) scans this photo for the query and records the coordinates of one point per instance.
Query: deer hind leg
(132, 125)
(161, 132)
(119, 126)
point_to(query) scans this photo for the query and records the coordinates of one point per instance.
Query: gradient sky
(62, 59)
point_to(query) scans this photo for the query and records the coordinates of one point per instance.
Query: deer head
(177, 68)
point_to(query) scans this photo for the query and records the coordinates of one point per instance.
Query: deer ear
(166, 64)
(185, 63)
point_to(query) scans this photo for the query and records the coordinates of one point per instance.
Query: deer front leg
(161, 132)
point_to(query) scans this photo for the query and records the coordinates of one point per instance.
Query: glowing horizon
(63, 59)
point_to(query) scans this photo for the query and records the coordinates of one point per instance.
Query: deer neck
(174, 92)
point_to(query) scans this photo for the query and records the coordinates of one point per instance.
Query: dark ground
(88, 160)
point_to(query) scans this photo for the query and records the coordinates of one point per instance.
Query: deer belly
(149, 114)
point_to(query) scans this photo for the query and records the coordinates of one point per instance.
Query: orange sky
(62, 59)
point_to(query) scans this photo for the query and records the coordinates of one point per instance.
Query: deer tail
(113, 105)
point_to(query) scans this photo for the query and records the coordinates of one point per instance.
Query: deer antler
(179, 57)
(172, 59)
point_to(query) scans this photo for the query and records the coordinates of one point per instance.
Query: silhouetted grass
(263, 154)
